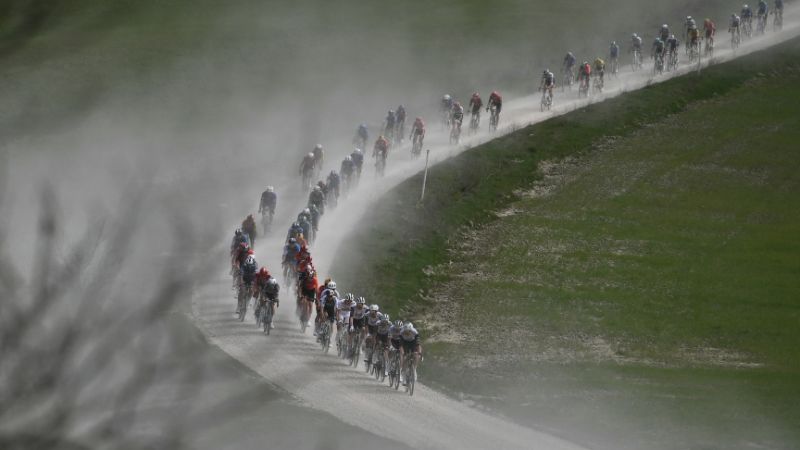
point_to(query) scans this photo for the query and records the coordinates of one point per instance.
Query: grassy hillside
(627, 274)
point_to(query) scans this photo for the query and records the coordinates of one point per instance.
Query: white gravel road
(293, 361)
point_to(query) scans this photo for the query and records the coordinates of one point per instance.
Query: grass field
(627, 275)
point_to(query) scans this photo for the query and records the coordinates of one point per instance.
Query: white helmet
(332, 285)
(307, 211)
(250, 260)
(272, 281)
(318, 147)
(374, 308)
(310, 155)
(348, 158)
(408, 326)
(447, 97)
(361, 300)
(270, 189)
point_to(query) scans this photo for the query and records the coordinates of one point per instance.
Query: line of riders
(385, 344)
(664, 50)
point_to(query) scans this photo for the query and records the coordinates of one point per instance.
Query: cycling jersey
(614, 52)
(360, 311)
(345, 308)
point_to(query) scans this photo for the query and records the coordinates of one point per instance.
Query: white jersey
(409, 335)
(359, 313)
(384, 326)
(344, 309)
(373, 320)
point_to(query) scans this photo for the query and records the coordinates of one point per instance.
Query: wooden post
(425, 176)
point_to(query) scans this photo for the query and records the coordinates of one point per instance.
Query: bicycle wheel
(267, 320)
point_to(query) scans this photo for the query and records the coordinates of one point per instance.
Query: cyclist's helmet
(350, 297)
(292, 241)
(613, 43)
(348, 158)
(545, 71)
(672, 36)
(408, 326)
(332, 285)
(418, 120)
(391, 112)
(398, 323)
(250, 258)
(374, 308)
(362, 127)
(387, 318)
(688, 18)
(634, 36)
(318, 147)
(665, 26)
(270, 189)
(475, 95)
(569, 54)
(446, 97)
(306, 211)
(272, 281)
(311, 155)
(361, 300)
(238, 232)
(263, 271)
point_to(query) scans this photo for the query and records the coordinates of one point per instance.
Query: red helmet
(263, 271)
(250, 251)
(476, 95)
(496, 94)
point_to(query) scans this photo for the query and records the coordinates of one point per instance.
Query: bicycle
(410, 374)
(636, 62)
(266, 220)
(416, 146)
(614, 66)
(658, 64)
(583, 88)
(394, 368)
(709, 47)
(264, 314)
(242, 297)
(378, 365)
(369, 347)
(325, 335)
(547, 100)
(747, 27)
(597, 86)
(761, 28)
(355, 352)
(736, 39)
(694, 51)
(569, 79)
(777, 21)
(494, 118)
(380, 164)
(455, 132)
(474, 122)
(672, 61)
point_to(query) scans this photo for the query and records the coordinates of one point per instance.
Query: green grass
(652, 299)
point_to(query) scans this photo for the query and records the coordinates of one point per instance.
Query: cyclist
(747, 14)
(317, 198)
(548, 83)
(709, 28)
(333, 185)
(328, 300)
(664, 33)
(347, 169)
(446, 105)
(358, 161)
(394, 334)
(613, 56)
(409, 340)
(344, 309)
(373, 317)
(381, 148)
(457, 115)
(358, 318)
(266, 290)
(584, 72)
(239, 237)
(763, 10)
(307, 169)
(568, 64)
(237, 258)
(400, 117)
(319, 157)
(734, 24)
(247, 270)
(269, 200)
(389, 124)
(290, 251)
(636, 46)
(694, 38)
(658, 50)
(418, 131)
(600, 69)
(495, 101)
(361, 137)
(475, 105)
(249, 228)
(308, 284)
(382, 342)
(778, 10)
(672, 45)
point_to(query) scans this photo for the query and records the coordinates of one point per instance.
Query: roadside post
(425, 176)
